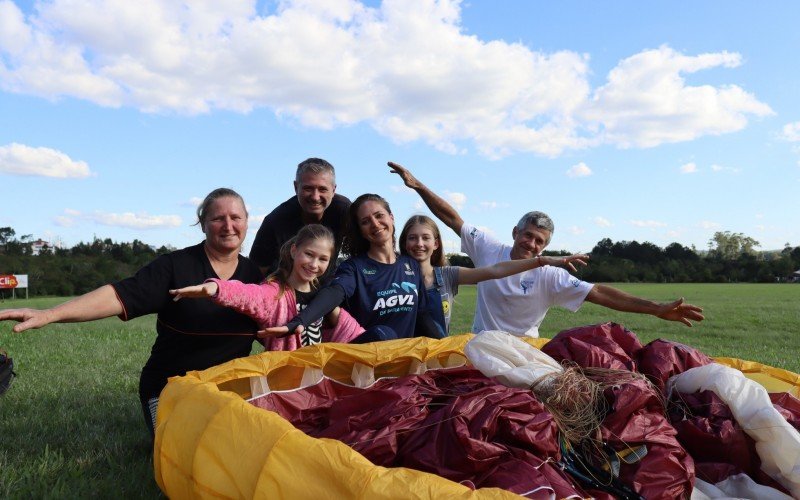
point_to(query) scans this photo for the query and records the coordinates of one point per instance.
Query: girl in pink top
(284, 293)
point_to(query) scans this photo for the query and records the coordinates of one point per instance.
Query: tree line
(72, 271)
(731, 258)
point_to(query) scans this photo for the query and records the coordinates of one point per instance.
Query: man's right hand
(408, 179)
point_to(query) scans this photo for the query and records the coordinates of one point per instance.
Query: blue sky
(654, 122)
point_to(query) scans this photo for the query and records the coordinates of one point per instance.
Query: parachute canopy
(214, 437)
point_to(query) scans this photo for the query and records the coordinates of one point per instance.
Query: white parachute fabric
(509, 360)
(739, 486)
(777, 442)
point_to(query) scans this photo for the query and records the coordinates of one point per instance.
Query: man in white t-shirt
(518, 304)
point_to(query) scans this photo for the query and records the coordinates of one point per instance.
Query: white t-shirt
(517, 304)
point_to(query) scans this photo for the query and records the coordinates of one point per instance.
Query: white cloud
(129, 220)
(602, 222)
(579, 170)
(19, 159)
(721, 169)
(575, 230)
(647, 223)
(63, 221)
(132, 220)
(194, 201)
(341, 62)
(491, 205)
(254, 221)
(791, 132)
(688, 168)
(456, 199)
(647, 102)
(707, 224)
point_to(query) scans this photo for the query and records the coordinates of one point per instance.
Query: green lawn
(71, 426)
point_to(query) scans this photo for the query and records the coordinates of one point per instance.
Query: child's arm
(205, 290)
(470, 276)
(247, 298)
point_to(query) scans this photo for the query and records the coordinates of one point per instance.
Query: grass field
(71, 426)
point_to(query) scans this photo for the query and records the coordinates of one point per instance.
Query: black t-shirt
(312, 334)
(283, 223)
(193, 334)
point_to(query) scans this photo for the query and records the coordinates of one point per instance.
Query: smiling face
(375, 223)
(314, 193)
(225, 224)
(311, 259)
(420, 242)
(529, 242)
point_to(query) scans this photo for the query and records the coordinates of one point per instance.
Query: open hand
(27, 318)
(195, 291)
(568, 261)
(678, 311)
(408, 179)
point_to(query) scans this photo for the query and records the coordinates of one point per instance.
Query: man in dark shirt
(315, 202)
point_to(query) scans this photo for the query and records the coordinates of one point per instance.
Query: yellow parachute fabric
(771, 378)
(211, 443)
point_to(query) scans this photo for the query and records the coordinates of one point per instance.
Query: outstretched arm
(326, 300)
(205, 290)
(470, 276)
(440, 208)
(621, 301)
(97, 304)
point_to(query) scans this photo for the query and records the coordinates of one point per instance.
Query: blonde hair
(308, 233)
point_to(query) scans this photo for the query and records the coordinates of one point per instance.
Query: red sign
(8, 281)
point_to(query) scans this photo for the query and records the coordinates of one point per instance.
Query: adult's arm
(97, 304)
(440, 208)
(471, 276)
(614, 298)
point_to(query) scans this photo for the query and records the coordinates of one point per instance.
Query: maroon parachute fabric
(720, 447)
(788, 406)
(636, 411)
(661, 359)
(607, 345)
(463, 426)
(455, 423)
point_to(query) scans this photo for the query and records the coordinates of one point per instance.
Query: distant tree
(603, 248)
(725, 245)
(677, 251)
(459, 260)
